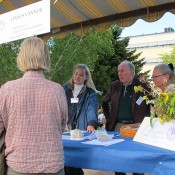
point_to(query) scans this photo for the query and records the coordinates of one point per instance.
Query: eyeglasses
(156, 76)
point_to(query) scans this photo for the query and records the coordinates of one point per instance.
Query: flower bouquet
(162, 103)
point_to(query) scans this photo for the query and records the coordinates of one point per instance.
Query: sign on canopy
(24, 22)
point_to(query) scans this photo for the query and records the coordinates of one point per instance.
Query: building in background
(152, 46)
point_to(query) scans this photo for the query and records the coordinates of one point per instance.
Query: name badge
(74, 100)
(139, 100)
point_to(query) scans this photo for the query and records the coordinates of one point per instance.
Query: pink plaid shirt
(33, 110)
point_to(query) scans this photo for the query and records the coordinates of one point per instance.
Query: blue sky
(141, 27)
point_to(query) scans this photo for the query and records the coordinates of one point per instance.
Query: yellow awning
(79, 15)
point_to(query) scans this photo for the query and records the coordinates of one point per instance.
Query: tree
(75, 49)
(105, 69)
(101, 51)
(8, 66)
(169, 57)
(65, 54)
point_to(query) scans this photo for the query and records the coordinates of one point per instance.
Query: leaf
(151, 122)
(138, 89)
(164, 100)
(172, 101)
(153, 114)
(168, 119)
(161, 103)
(171, 110)
(145, 98)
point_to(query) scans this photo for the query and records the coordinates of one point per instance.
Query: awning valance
(79, 15)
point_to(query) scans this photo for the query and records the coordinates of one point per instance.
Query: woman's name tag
(74, 100)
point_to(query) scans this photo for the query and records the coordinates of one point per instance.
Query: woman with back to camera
(82, 105)
(33, 112)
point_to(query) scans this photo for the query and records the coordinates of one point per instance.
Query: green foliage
(105, 69)
(75, 49)
(169, 57)
(8, 67)
(65, 54)
(101, 51)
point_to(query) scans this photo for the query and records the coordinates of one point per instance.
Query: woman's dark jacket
(85, 110)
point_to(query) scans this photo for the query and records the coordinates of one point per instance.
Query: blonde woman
(33, 111)
(82, 100)
(82, 105)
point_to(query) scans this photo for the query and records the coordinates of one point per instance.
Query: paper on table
(68, 137)
(108, 143)
(68, 132)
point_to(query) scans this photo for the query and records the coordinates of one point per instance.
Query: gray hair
(164, 69)
(129, 64)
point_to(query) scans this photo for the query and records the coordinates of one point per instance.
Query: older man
(126, 106)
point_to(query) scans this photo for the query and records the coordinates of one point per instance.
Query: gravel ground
(95, 172)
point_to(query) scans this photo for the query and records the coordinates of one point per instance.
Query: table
(127, 156)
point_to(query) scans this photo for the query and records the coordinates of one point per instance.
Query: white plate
(68, 132)
(67, 137)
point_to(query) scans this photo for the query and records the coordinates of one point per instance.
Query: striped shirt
(33, 110)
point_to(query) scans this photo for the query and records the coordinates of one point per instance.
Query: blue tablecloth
(127, 156)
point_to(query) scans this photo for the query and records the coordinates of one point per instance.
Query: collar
(37, 73)
(130, 83)
(78, 86)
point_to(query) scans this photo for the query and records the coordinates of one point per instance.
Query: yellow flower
(165, 96)
(161, 119)
(163, 103)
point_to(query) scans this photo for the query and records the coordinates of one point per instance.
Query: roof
(79, 15)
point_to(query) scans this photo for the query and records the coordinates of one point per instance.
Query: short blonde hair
(33, 55)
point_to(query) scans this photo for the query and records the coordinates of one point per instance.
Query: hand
(90, 128)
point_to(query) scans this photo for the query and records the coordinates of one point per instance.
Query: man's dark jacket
(111, 103)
